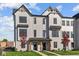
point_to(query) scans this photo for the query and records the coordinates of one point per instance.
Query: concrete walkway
(40, 53)
(53, 53)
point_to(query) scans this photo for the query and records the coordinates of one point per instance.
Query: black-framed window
(55, 33)
(35, 33)
(72, 44)
(23, 32)
(63, 33)
(68, 23)
(22, 19)
(72, 35)
(22, 45)
(63, 22)
(44, 20)
(44, 33)
(55, 44)
(71, 23)
(35, 21)
(55, 20)
(68, 33)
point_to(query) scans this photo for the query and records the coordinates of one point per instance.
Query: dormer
(51, 10)
(21, 10)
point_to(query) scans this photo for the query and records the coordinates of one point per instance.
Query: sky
(6, 17)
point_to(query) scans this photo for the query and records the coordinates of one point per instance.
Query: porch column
(30, 46)
(49, 44)
(38, 46)
(41, 46)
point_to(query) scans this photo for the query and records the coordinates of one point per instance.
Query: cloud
(59, 7)
(17, 5)
(76, 8)
(33, 6)
(6, 27)
(9, 5)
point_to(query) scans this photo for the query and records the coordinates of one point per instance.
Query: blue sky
(6, 18)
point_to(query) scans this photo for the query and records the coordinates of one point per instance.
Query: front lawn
(28, 53)
(67, 52)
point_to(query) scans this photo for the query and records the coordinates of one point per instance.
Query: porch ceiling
(39, 39)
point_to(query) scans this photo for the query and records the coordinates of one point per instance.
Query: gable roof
(15, 10)
(24, 8)
(53, 9)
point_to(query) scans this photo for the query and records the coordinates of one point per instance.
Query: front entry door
(44, 46)
(35, 46)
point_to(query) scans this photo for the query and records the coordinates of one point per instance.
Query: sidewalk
(53, 53)
(40, 53)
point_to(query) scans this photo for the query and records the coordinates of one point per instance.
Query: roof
(15, 10)
(68, 17)
(76, 16)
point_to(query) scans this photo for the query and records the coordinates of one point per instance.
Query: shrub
(10, 49)
(1, 51)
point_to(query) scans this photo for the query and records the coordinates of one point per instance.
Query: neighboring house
(10, 44)
(7, 44)
(42, 32)
(76, 31)
(3, 44)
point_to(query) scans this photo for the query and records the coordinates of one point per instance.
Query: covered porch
(39, 44)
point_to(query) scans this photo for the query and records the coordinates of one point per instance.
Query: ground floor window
(44, 33)
(55, 44)
(72, 44)
(22, 45)
(23, 32)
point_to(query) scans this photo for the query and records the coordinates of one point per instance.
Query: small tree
(65, 40)
(4, 40)
(23, 40)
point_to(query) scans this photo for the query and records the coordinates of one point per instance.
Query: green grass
(67, 52)
(49, 54)
(28, 53)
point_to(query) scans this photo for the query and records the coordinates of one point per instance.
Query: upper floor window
(63, 22)
(55, 20)
(35, 33)
(71, 23)
(34, 20)
(55, 33)
(63, 33)
(44, 20)
(68, 33)
(68, 23)
(23, 32)
(22, 19)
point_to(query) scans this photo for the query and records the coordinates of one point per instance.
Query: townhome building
(41, 32)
